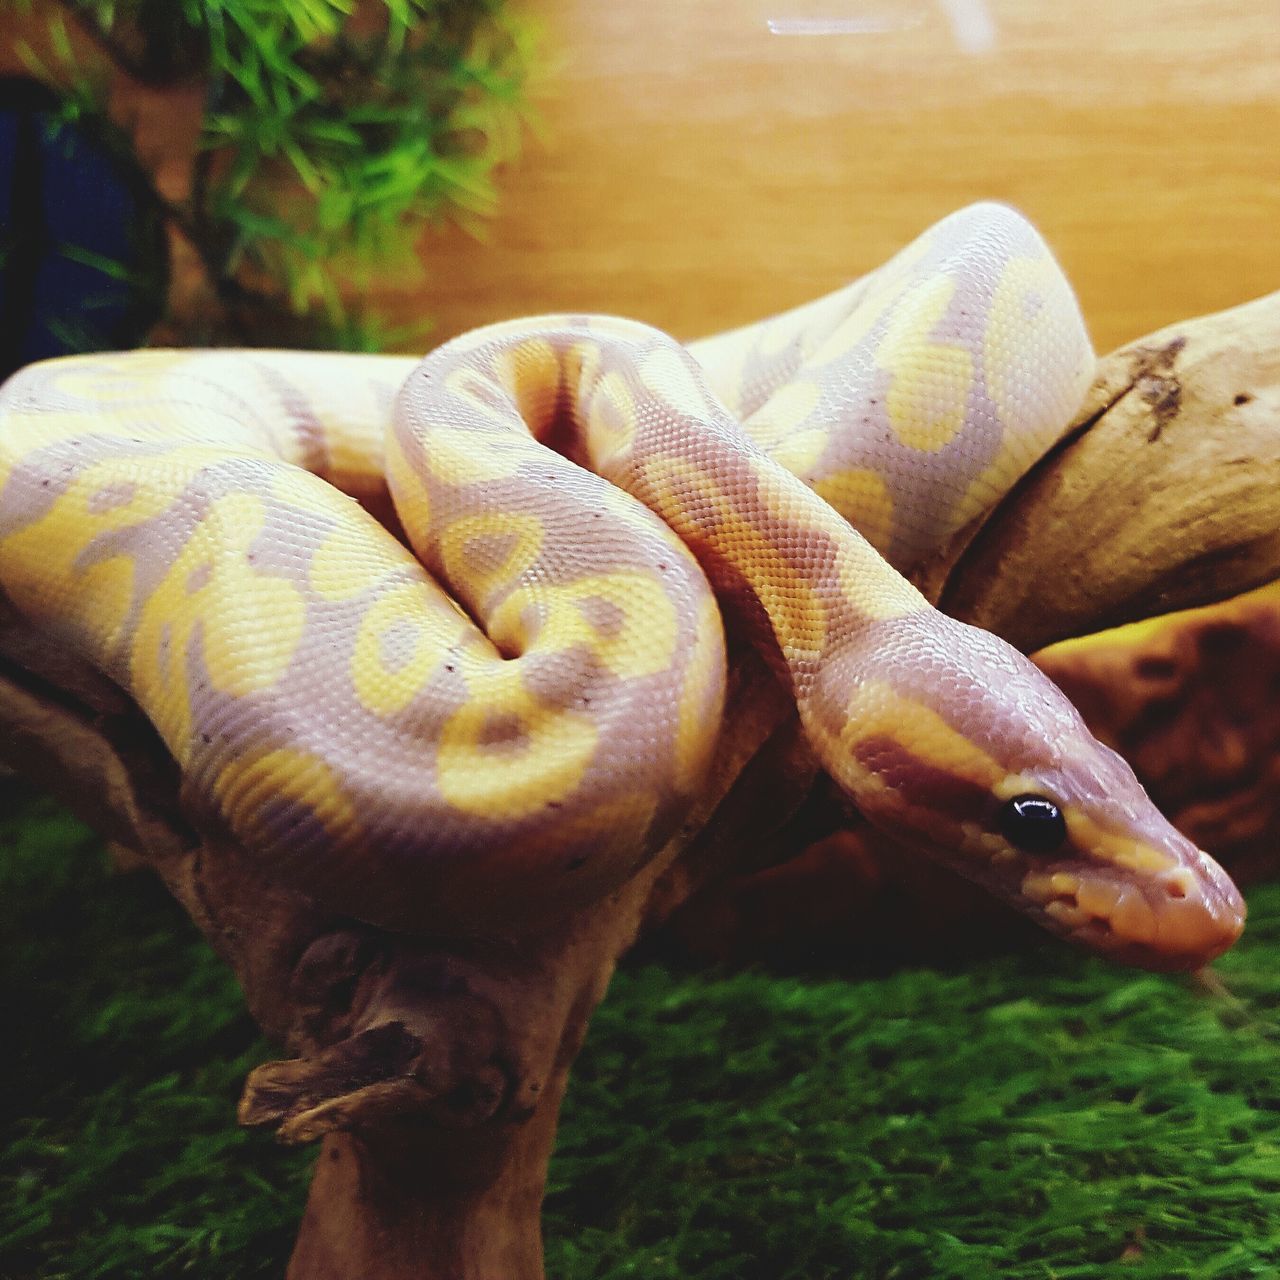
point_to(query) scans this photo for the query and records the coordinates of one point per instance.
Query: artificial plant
(332, 133)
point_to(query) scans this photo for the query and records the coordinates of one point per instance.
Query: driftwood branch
(1165, 494)
(432, 1068)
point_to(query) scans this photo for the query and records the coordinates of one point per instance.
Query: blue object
(83, 256)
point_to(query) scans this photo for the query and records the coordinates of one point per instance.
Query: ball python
(441, 643)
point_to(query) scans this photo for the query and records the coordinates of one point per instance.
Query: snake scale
(496, 703)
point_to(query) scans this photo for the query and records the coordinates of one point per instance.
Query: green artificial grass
(1036, 1116)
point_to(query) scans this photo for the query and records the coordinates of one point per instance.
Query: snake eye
(1033, 824)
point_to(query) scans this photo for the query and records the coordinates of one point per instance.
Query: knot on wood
(388, 1034)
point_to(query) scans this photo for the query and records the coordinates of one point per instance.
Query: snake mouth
(1181, 919)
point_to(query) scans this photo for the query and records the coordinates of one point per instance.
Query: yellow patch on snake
(625, 618)
(582, 365)
(1029, 307)
(877, 709)
(1029, 303)
(400, 621)
(671, 378)
(105, 593)
(929, 390)
(504, 755)
(748, 535)
(611, 418)
(530, 370)
(873, 297)
(243, 655)
(356, 453)
(776, 335)
(107, 380)
(159, 676)
(778, 418)
(275, 779)
(701, 698)
(724, 362)
(1011, 460)
(634, 515)
(259, 619)
(682, 493)
(481, 554)
(876, 598)
(52, 429)
(621, 821)
(459, 456)
(409, 489)
(347, 564)
(861, 496)
(1115, 848)
(852, 330)
(126, 393)
(800, 451)
(608, 828)
(39, 560)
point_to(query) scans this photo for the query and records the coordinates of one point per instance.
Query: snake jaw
(1181, 919)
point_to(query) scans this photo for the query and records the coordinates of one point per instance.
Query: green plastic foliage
(333, 134)
(1039, 1116)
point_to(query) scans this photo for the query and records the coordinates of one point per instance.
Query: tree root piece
(1164, 495)
(433, 1068)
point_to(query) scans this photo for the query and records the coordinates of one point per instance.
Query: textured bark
(1165, 495)
(1192, 701)
(433, 1068)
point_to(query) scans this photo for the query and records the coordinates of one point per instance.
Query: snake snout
(1181, 918)
(1199, 910)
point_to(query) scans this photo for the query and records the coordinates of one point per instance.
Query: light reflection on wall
(972, 26)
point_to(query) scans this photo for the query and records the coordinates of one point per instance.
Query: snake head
(961, 747)
(1095, 860)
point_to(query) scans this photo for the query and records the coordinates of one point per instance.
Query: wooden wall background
(698, 170)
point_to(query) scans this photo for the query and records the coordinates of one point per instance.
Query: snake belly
(505, 718)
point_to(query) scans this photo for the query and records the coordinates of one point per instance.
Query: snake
(442, 642)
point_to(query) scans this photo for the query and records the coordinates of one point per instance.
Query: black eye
(1033, 824)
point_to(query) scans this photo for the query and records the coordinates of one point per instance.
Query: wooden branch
(1190, 701)
(432, 1068)
(1166, 494)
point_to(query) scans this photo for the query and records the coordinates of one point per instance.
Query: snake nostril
(1178, 884)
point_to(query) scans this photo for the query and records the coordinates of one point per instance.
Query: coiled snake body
(509, 715)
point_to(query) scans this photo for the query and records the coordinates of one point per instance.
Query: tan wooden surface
(697, 170)
(700, 171)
